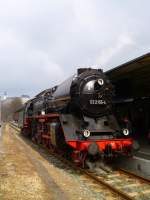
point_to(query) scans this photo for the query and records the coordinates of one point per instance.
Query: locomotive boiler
(76, 118)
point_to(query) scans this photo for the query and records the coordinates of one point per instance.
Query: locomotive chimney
(81, 70)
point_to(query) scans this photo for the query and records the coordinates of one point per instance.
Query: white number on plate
(100, 102)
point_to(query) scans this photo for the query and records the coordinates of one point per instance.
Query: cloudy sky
(43, 41)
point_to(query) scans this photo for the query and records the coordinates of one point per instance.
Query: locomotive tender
(76, 118)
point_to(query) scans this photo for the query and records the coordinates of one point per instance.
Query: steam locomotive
(76, 118)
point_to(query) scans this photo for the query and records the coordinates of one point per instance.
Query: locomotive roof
(132, 79)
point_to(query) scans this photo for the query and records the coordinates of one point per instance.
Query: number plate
(99, 102)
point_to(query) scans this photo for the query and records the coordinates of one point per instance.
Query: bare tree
(8, 109)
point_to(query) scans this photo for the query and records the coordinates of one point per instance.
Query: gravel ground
(28, 172)
(18, 177)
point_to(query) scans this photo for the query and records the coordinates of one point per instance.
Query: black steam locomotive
(76, 117)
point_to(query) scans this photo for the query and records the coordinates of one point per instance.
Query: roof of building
(132, 79)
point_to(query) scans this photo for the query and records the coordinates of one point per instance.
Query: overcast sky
(42, 42)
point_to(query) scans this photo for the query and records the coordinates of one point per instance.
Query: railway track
(123, 184)
(131, 174)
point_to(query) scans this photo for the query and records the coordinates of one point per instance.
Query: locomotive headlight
(100, 81)
(126, 131)
(42, 112)
(86, 133)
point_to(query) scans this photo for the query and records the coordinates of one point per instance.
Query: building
(132, 100)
